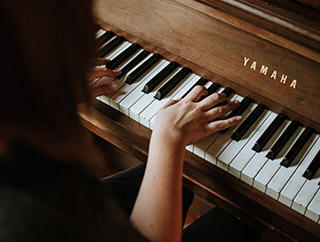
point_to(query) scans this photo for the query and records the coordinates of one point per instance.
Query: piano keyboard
(275, 155)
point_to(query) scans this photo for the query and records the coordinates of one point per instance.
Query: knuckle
(220, 109)
(198, 109)
(215, 95)
(221, 125)
(223, 97)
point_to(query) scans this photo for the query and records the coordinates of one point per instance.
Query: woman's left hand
(101, 78)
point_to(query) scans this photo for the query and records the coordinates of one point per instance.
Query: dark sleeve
(64, 211)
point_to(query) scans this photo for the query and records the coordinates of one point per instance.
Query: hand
(188, 121)
(100, 79)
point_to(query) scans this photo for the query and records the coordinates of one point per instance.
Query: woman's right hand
(189, 120)
(101, 78)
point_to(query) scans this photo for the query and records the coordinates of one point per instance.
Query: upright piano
(266, 54)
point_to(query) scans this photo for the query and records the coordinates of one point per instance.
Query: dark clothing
(216, 225)
(125, 186)
(45, 200)
(219, 226)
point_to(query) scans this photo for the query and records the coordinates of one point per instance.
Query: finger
(195, 94)
(102, 81)
(218, 111)
(171, 102)
(104, 90)
(101, 72)
(223, 124)
(213, 100)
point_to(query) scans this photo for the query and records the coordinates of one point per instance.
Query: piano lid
(289, 19)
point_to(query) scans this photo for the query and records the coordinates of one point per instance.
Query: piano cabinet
(267, 50)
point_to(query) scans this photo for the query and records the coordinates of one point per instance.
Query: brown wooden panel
(287, 23)
(221, 48)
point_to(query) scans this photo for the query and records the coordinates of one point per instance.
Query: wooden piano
(266, 50)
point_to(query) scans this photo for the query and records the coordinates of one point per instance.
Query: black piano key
(144, 67)
(212, 89)
(228, 91)
(174, 81)
(286, 135)
(105, 37)
(200, 82)
(111, 46)
(155, 81)
(136, 60)
(123, 56)
(296, 148)
(313, 167)
(269, 132)
(244, 104)
(246, 124)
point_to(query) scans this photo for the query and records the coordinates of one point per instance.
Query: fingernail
(236, 102)
(113, 87)
(238, 118)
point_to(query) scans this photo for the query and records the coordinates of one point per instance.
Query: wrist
(170, 137)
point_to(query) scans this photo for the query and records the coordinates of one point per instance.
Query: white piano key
(125, 88)
(259, 159)
(146, 99)
(223, 140)
(110, 56)
(295, 183)
(283, 175)
(126, 103)
(201, 146)
(105, 43)
(271, 166)
(116, 51)
(147, 114)
(246, 154)
(191, 80)
(313, 210)
(306, 194)
(234, 147)
(191, 146)
(99, 33)
(144, 112)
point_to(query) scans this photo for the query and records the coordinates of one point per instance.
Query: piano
(266, 54)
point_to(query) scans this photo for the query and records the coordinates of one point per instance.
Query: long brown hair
(46, 49)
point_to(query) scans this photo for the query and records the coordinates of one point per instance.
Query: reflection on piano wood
(265, 170)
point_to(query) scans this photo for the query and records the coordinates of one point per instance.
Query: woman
(49, 167)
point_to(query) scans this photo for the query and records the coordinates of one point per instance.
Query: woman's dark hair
(46, 48)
